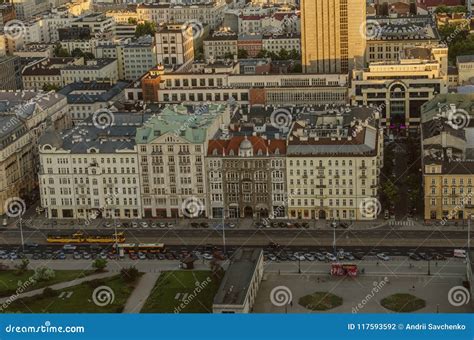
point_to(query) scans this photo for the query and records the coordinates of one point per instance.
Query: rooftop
(237, 278)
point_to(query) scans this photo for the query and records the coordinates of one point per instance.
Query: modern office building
(331, 41)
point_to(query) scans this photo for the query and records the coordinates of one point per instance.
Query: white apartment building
(174, 46)
(172, 147)
(100, 70)
(135, 57)
(220, 81)
(465, 65)
(333, 162)
(211, 13)
(98, 23)
(25, 116)
(26, 9)
(219, 44)
(276, 43)
(89, 172)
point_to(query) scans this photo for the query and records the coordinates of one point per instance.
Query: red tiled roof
(435, 3)
(258, 143)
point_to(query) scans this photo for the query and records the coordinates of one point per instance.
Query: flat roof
(238, 276)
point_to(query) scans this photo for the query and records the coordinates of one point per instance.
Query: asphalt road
(249, 237)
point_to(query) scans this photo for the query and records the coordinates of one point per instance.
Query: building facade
(331, 41)
(246, 177)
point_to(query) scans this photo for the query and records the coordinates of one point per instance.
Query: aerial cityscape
(257, 156)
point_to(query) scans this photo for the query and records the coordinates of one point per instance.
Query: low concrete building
(239, 287)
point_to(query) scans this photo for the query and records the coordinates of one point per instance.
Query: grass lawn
(77, 299)
(320, 301)
(177, 292)
(9, 279)
(403, 303)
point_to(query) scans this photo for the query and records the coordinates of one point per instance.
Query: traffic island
(320, 301)
(403, 303)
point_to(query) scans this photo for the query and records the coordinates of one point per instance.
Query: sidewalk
(58, 286)
(137, 299)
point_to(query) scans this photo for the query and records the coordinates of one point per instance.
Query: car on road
(414, 257)
(330, 257)
(383, 257)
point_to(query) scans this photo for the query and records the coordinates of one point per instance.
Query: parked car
(349, 256)
(154, 225)
(133, 256)
(204, 225)
(383, 257)
(194, 225)
(320, 257)
(144, 224)
(425, 256)
(86, 256)
(359, 256)
(77, 256)
(207, 256)
(414, 257)
(309, 257)
(331, 257)
(134, 225)
(141, 256)
(439, 257)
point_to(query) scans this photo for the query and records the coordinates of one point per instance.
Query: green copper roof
(190, 124)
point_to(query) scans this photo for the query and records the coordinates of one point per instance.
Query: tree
(283, 55)
(60, 52)
(146, 28)
(294, 55)
(50, 87)
(390, 191)
(228, 55)
(99, 264)
(242, 54)
(77, 52)
(23, 266)
(262, 53)
(130, 274)
(44, 274)
(132, 21)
